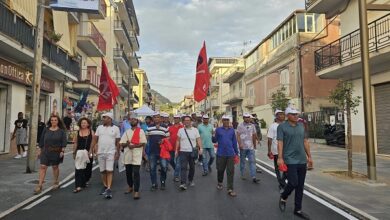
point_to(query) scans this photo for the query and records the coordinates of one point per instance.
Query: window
(240, 85)
(319, 22)
(309, 22)
(301, 23)
(284, 77)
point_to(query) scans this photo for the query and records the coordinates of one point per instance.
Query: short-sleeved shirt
(246, 132)
(21, 123)
(155, 135)
(193, 134)
(107, 138)
(293, 142)
(133, 156)
(206, 134)
(273, 133)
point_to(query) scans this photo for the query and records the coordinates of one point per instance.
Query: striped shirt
(155, 135)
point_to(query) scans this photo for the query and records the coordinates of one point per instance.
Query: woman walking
(52, 145)
(82, 153)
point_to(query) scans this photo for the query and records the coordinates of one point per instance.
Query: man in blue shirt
(227, 151)
(294, 151)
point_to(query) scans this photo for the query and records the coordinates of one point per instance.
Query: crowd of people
(181, 143)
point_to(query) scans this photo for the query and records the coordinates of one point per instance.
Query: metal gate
(382, 106)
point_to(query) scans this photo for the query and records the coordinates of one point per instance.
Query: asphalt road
(203, 201)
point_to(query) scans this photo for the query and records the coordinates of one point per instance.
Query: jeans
(250, 154)
(226, 163)
(207, 164)
(186, 159)
(79, 177)
(296, 174)
(281, 176)
(133, 177)
(175, 163)
(153, 168)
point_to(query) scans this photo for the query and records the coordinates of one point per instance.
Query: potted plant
(55, 37)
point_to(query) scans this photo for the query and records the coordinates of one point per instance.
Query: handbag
(194, 152)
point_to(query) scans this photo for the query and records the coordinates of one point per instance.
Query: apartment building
(284, 59)
(340, 59)
(187, 105)
(142, 92)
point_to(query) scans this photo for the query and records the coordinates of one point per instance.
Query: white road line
(36, 202)
(322, 201)
(67, 184)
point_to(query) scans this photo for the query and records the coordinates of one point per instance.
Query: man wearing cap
(165, 117)
(107, 139)
(173, 130)
(206, 133)
(155, 135)
(227, 151)
(273, 146)
(247, 137)
(133, 142)
(293, 151)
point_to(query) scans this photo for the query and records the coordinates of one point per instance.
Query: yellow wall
(139, 89)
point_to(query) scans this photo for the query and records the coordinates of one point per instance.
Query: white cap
(246, 115)
(177, 116)
(108, 114)
(156, 113)
(225, 117)
(252, 117)
(164, 115)
(291, 111)
(278, 111)
(205, 116)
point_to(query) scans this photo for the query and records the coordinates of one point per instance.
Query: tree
(342, 97)
(279, 99)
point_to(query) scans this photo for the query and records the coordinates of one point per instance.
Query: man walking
(107, 139)
(188, 138)
(227, 151)
(206, 132)
(293, 151)
(20, 133)
(273, 147)
(173, 131)
(155, 135)
(247, 138)
(133, 142)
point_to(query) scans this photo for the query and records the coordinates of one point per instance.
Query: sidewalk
(17, 186)
(373, 200)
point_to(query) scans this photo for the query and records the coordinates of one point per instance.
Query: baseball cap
(205, 116)
(292, 111)
(278, 111)
(108, 114)
(177, 116)
(156, 113)
(225, 117)
(246, 115)
(165, 115)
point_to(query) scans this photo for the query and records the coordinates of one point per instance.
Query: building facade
(340, 59)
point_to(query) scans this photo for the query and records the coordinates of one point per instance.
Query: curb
(329, 198)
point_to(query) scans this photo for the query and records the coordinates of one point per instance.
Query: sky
(172, 33)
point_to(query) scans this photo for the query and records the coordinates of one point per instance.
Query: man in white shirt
(273, 146)
(107, 139)
(188, 147)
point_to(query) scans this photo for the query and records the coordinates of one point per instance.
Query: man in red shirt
(173, 130)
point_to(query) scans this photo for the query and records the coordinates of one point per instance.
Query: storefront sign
(18, 74)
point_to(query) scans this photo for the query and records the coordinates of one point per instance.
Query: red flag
(108, 90)
(202, 81)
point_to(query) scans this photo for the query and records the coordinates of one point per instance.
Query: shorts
(106, 161)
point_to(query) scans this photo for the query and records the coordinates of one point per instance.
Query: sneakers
(191, 183)
(255, 180)
(24, 154)
(162, 187)
(204, 174)
(108, 194)
(103, 191)
(18, 156)
(182, 187)
(176, 179)
(153, 188)
(302, 215)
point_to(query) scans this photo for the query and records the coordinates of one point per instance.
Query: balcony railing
(309, 3)
(97, 37)
(134, 41)
(19, 30)
(348, 47)
(118, 52)
(120, 25)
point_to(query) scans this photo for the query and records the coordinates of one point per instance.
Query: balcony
(134, 62)
(90, 40)
(134, 41)
(328, 7)
(17, 42)
(123, 88)
(102, 11)
(134, 98)
(341, 58)
(122, 34)
(232, 98)
(121, 60)
(234, 75)
(134, 80)
(214, 84)
(90, 82)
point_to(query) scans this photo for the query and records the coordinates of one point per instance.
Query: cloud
(172, 32)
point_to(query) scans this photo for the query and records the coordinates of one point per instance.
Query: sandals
(38, 189)
(232, 193)
(56, 185)
(282, 204)
(77, 190)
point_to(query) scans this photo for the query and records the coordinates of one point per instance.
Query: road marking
(32, 198)
(324, 194)
(36, 202)
(67, 184)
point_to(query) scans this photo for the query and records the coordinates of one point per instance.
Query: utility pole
(367, 100)
(36, 86)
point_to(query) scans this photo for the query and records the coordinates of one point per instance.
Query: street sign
(87, 6)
